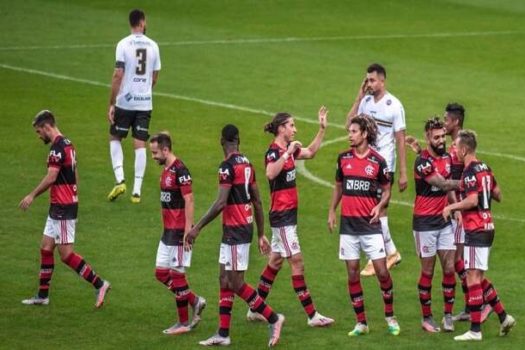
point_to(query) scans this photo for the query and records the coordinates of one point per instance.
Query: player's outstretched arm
(412, 142)
(310, 151)
(48, 180)
(334, 202)
(441, 183)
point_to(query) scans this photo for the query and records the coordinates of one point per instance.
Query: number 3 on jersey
(141, 55)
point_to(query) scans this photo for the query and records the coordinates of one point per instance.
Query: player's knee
(383, 275)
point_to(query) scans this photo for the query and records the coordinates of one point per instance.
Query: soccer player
(280, 171)
(432, 234)
(176, 200)
(239, 201)
(61, 179)
(478, 187)
(374, 100)
(130, 102)
(361, 173)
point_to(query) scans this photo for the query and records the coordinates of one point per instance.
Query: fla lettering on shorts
(430, 200)
(63, 192)
(360, 178)
(389, 115)
(237, 173)
(283, 191)
(478, 179)
(139, 56)
(175, 183)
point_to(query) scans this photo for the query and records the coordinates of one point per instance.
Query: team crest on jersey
(388, 102)
(369, 170)
(368, 98)
(447, 168)
(168, 181)
(224, 173)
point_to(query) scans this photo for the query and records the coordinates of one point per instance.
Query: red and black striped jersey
(478, 180)
(237, 172)
(430, 200)
(456, 166)
(175, 183)
(361, 179)
(283, 210)
(63, 192)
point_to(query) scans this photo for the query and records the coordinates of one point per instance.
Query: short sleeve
(120, 60)
(470, 183)
(184, 180)
(225, 174)
(338, 171)
(399, 118)
(361, 107)
(272, 155)
(424, 168)
(157, 65)
(383, 175)
(57, 156)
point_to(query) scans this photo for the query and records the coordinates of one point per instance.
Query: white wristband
(285, 156)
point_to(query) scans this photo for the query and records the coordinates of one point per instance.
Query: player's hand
(362, 89)
(375, 214)
(458, 217)
(323, 115)
(412, 142)
(332, 221)
(189, 238)
(26, 202)
(264, 245)
(294, 146)
(402, 182)
(111, 114)
(446, 213)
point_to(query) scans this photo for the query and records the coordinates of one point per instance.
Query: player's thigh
(164, 254)
(373, 246)
(140, 125)
(459, 232)
(285, 241)
(234, 257)
(349, 247)
(62, 231)
(426, 243)
(123, 121)
(476, 258)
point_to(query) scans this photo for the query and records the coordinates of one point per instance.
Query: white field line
(248, 41)
(300, 164)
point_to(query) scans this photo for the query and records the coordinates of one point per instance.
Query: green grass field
(229, 62)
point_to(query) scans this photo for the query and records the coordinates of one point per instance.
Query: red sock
(449, 291)
(491, 297)
(226, 297)
(299, 285)
(256, 303)
(163, 276)
(266, 281)
(179, 286)
(77, 263)
(358, 303)
(425, 294)
(462, 274)
(47, 264)
(387, 289)
(475, 301)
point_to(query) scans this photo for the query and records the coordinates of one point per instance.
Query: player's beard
(45, 139)
(161, 161)
(439, 150)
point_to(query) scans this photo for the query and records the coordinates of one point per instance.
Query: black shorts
(137, 120)
(379, 191)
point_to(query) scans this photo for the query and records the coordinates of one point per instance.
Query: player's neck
(54, 134)
(469, 158)
(137, 31)
(228, 151)
(362, 150)
(170, 159)
(379, 95)
(281, 142)
(454, 134)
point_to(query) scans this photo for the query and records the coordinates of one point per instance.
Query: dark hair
(376, 67)
(163, 139)
(468, 139)
(457, 111)
(433, 124)
(135, 16)
(44, 117)
(279, 119)
(368, 124)
(230, 133)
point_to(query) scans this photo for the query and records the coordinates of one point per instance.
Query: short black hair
(376, 67)
(135, 16)
(162, 139)
(457, 111)
(230, 133)
(44, 117)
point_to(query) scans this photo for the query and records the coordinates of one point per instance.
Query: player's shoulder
(391, 100)
(346, 154)
(374, 156)
(125, 41)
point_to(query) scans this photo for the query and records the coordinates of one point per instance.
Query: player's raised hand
(412, 142)
(323, 116)
(362, 89)
(332, 221)
(294, 146)
(375, 214)
(111, 114)
(26, 202)
(264, 245)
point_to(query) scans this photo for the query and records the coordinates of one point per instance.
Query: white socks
(117, 159)
(389, 243)
(140, 168)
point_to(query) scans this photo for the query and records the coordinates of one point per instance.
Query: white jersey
(139, 56)
(390, 117)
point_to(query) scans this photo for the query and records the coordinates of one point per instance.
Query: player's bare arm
(189, 209)
(401, 155)
(385, 198)
(496, 194)
(310, 151)
(441, 183)
(353, 110)
(48, 180)
(116, 81)
(274, 168)
(334, 202)
(264, 245)
(155, 78)
(470, 202)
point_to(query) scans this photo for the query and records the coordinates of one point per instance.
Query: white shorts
(459, 232)
(428, 242)
(63, 231)
(235, 257)
(350, 246)
(172, 256)
(285, 241)
(476, 258)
